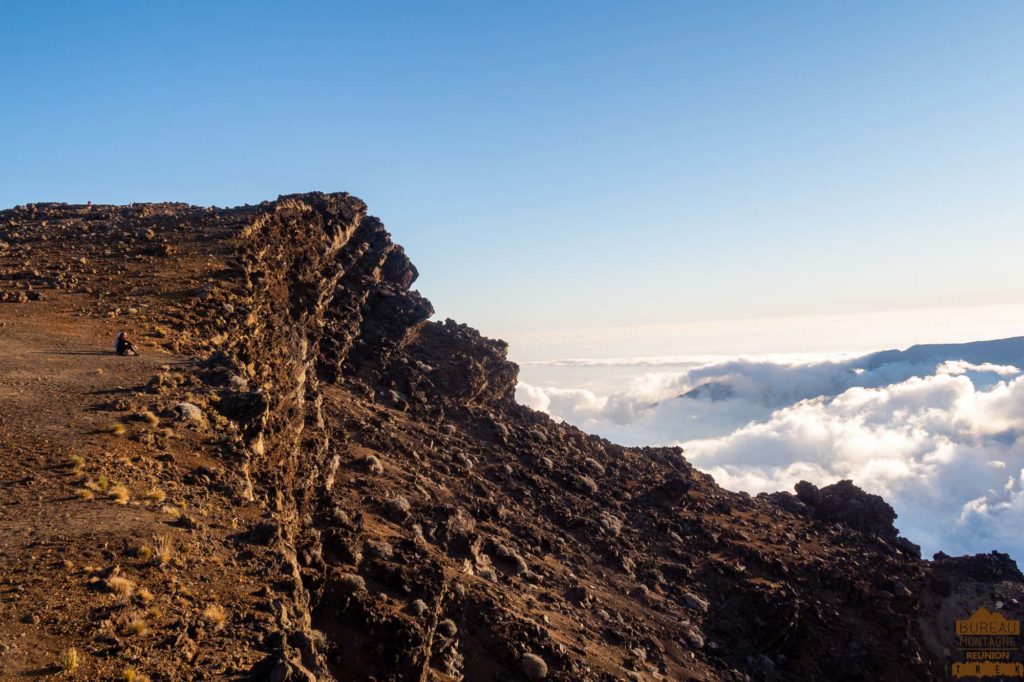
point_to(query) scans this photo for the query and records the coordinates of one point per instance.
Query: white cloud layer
(940, 437)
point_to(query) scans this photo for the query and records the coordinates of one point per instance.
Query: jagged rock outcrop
(843, 502)
(389, 512)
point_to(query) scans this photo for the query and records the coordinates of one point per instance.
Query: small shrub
(215, 615)
(164, 550)
(148, 417)
(171, 511)
(69, 660)
(130, 674)
(145, 552)
(102, 483)
(119, 494)
(156, 495)
(136, 627)
(121, 586)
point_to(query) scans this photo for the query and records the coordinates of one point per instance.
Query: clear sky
(554, 166)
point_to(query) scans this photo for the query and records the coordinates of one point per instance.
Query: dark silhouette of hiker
(122, 346)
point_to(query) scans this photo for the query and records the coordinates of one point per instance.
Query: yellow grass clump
(164, 550)
(148, 417)
(215, 615)
(68, 661)
(130, 674)
(156, 495)
(120, 586)
(136, 627)
(119, 494)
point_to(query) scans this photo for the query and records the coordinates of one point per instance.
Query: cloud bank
(940, 437)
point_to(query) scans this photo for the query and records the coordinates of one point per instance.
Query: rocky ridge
(383, 509)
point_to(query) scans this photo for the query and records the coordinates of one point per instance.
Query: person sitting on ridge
(122, 346)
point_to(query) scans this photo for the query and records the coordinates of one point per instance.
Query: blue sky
(555, 167)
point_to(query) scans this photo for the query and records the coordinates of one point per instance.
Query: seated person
(122, 346)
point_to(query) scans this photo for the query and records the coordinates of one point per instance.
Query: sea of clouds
(938, 433)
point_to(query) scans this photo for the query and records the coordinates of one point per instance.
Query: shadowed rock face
(843, 502)
(404, 518)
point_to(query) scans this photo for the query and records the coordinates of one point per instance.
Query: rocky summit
(303, 477)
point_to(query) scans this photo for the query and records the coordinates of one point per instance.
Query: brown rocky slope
(350, 491)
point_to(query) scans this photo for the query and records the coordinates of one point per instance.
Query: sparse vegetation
(117, 429)
(156, 495)
(164, 549)
(85, 494)
(76, 462)
(215, 615)
(144, 595)
(68, 661)
(121, 586)
(119, 494)
(148, 417)
(130, 674)
(136, 627)
(171, 511)
(145, 552)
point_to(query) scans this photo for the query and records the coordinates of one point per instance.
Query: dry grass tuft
(136, 627)
(117, 429)
(145, 552)
(215, 615)
(121, 586)
(164, 550)
(119, 494)
(171, 511)
(156, 495)
(68, 661)
(76, 462)
(85, 494)
(144, 595)
(130, 674)
(148, 417)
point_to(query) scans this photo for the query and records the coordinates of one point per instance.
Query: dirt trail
(55, 370)
(95, 473)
